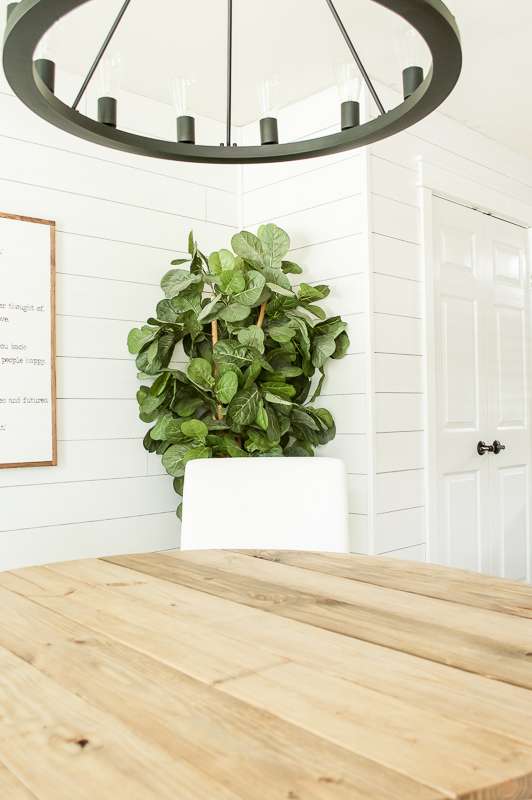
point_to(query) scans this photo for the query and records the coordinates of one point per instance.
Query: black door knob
(497, 447)
(482, 448)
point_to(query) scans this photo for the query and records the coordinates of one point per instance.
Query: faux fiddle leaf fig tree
(256, 350)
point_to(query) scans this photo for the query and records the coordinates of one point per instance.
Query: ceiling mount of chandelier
(33, 81)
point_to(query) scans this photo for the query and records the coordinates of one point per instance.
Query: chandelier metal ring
(30, 20)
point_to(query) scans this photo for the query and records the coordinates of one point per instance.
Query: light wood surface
(263, 676)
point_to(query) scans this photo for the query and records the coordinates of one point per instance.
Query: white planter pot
(266, 504)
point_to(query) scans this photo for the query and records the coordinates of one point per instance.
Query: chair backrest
(266, 504)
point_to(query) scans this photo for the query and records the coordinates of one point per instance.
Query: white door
(481, 307)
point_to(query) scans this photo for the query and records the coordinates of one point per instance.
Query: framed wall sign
(28, 431)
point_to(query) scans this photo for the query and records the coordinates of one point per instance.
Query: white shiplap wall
(120, 220)
(322, 204)
(397, 307)
(356, 222)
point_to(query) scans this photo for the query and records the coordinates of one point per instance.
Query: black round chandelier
(33, 81)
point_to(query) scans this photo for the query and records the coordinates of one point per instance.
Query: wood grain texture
(457, 586)
(12, 788)
(236, 677)
(474, 639)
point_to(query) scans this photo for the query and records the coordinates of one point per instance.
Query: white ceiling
(297, 42)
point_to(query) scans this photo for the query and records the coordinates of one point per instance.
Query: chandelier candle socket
(412, 80)
(33, 81)
(45, 69)
(107, 111)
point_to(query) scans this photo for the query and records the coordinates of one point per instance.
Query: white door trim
(434, 181)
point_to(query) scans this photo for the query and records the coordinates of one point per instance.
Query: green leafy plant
(257, 351)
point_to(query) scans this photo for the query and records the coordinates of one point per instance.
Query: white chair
(266, 504)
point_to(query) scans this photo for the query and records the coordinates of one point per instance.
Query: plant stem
(262, 314)
(214, 331)
(214, 338)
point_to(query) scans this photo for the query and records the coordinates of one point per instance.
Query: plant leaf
(232, 449)
(211, 308)
(195, 453)
(255, 285)
(194, 429)
(226, 387)
(179, 485)
(232, 281)
(284, 390)
(262, 418)
(199, 371)
(177, 280)
(151, 352)
(236, 312)
(215, 263)
(309, 294)
(227, 260)
(186, 406)
(272, 398)
(248, 246)
(227, 352)
(139, 337)
(323, 348)
(253, 372)
(319, 387)
(275, 244)
(189, 300)
(342, 345)
(333, 326)
(257, 442)
(167, 427)
(253, 336)
(297, 450)
(165, 311)
(173, 459)
(291, 267)
(317, 311)
(281, 333)
(243, 408)
(280, 289)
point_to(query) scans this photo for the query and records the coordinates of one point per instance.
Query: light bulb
(267, 98)
(348, 82)
(180, 94)
(110, 76)
(269, 127)
(410, 49)
(43, 48)
(43, 63)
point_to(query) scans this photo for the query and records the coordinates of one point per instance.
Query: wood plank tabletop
(223, 675)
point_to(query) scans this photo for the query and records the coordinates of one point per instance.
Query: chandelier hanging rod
(100, 55)
(229, 70)
(355, 55)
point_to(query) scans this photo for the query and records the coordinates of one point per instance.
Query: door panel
(462, 513)
(509, 398)
(511, 394)
(459, 363)
(514, 510)
(508, 263)
(461, 381)
(481, 292)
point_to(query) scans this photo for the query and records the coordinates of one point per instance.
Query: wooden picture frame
(53, 371)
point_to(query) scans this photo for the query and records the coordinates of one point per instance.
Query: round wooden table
(263, 676)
